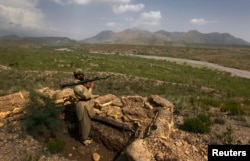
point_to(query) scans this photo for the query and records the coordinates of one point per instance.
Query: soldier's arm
(82, 92)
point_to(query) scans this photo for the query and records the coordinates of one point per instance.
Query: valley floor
(196, 63)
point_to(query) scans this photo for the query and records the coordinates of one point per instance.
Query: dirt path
(233, 71)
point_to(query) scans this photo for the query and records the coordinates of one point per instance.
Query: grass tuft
(199, 124)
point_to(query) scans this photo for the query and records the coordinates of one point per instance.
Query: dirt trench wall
(152, 120)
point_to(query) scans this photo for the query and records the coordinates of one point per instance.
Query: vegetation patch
(233, 107)
(42, 117)
(199, 124)
(34, 68)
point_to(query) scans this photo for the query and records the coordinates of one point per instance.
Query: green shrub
(199, 124)
(42, 116)
(233, 107)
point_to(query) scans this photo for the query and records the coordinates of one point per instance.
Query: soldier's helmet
(78, 71)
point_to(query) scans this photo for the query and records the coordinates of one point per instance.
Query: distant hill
(40, 40)
(139, 37)
(10, 37)
(101, 37)
(51, 40)
(144, 37)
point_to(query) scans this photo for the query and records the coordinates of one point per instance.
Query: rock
(114, 112)
(96, 156)
(164, 124)
(137, 151)
(47, 92)
(148, 106)
(4, 115)
(66, 92)
(160, 102)
(17, 110)
(117, 102)
(102, 101)
(133, 106)
(133, 101)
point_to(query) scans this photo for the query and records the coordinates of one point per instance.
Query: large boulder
(138, 151)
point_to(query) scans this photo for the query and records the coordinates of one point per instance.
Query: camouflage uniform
(84, 109)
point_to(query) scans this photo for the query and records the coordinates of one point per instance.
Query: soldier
(84, 106)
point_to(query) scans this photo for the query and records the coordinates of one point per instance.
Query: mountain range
(144, 37)
(140, 37)
(40, 40)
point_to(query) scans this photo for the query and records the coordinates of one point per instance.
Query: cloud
(151, 18)
(114, 25)
(128, 7)
(63, 2)
(27, 4)
(111, 24)
(22, 15)
(130, 19)
(83, 2)
(200, 21)
(11, 16)
(23, 18)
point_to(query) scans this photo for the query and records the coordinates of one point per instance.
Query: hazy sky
(79, 19)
